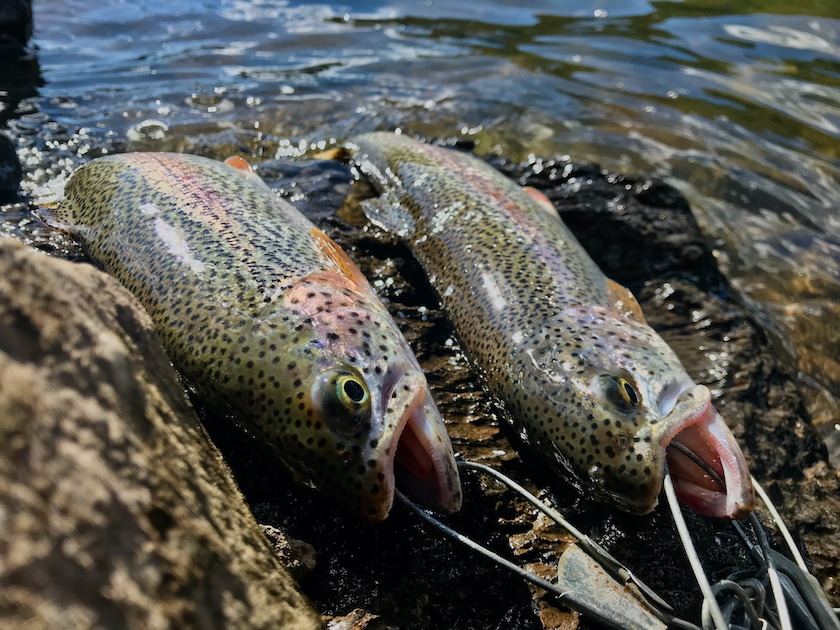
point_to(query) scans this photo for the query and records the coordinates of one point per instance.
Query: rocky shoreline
(119, 511)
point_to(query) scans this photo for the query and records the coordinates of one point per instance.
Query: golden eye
(352, 392)
(343, 398)
(620, 392)
(628, 393)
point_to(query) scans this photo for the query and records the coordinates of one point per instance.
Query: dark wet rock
(15, 22)
(10, 170)
(297, 556)
(20, 73)
(816, 503)
(116, 510)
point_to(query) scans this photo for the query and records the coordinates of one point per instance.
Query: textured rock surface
(116, 511)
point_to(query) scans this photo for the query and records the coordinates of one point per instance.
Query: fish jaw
(427, 469)
(418, 455)
(697, 425)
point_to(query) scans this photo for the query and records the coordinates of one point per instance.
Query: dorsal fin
(239, 164)
(339, 258)
(540, 198)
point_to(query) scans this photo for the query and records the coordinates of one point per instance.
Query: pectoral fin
(625, 301)
(389, 214)
(53, 215)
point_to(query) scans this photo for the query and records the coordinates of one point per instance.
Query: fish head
(359, 418)
(620, 397)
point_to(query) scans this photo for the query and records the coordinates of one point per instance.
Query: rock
(10, 170)
(20, 73)
(116, 511)
(15, 22)
(358, 619)
(299, 557)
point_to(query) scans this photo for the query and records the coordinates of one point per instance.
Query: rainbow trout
(269, 320)
(566, 349)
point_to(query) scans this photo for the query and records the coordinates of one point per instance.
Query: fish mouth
(703, 435)
(420, 462)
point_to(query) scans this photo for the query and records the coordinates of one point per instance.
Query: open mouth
(706, 464)
(422, 465)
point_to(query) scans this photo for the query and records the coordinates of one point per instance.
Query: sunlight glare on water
(736, 104)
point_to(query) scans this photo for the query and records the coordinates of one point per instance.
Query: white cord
(691, 552)
(794, 550)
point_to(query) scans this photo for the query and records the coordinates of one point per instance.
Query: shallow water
(737, 104)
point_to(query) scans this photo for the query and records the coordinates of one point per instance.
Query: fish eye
(343, 398)
(620, 392)
(351, 391)
(627, 392)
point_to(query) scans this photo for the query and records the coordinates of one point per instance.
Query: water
(737, 104)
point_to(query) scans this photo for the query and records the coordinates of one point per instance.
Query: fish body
(567, 350)
(269, 320)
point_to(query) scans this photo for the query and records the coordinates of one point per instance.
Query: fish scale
(268, 320)
(567, 350)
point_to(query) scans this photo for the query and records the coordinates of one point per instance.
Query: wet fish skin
(567, 350)
(269, 320)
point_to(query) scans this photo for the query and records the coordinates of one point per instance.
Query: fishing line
(775, 582)
(791, 583)
(691, 552)
(561, 595)
(646, 597)
(794, 550)
(682, 448)
(616, 569)
(799, 583)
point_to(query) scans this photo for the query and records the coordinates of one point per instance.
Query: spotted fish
(585, 379)
(269, 320)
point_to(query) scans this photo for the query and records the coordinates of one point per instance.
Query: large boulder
(116, 510)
